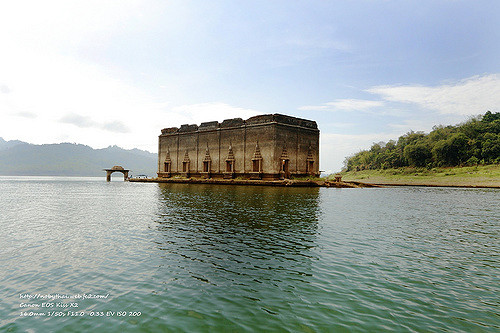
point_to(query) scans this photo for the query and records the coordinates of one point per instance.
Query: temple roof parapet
(211, 125)
(169, 130)
(188, 128)
(235, 122)
(238, 122)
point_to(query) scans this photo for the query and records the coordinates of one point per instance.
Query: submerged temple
(271, 146)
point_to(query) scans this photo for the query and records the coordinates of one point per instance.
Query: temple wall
(264, 136)
(271, 133)
(209, 139)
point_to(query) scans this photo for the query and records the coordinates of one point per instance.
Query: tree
(452, 151)
(490, 117)
(417, 154)
(491, 147)
(478, 137)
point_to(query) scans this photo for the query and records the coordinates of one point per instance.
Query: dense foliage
(476, 141)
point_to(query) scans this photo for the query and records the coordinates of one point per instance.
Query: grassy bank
(482, 175)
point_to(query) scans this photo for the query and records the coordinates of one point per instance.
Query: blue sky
(116, 72)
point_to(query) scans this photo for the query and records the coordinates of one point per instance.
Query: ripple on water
(200, 258)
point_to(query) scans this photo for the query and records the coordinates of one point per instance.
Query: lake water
(191, 258)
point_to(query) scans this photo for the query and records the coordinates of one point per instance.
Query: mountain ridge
(18, 158)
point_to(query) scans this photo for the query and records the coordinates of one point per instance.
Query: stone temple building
(271, 146)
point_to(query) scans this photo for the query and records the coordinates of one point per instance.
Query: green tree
(491, 147)
(478, 137)
(417, 154)
(452, 151)
(490, 117)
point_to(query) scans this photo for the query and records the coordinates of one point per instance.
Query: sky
(116, 72)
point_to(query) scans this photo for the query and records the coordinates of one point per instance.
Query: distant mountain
(8, 144)
(18, 158)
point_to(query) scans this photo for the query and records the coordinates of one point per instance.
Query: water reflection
(224, 235)
(196, 258)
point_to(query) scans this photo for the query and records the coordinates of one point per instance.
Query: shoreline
(480, 176)
(277, 183)
(225, 182)
(435, 185)
(300, 183)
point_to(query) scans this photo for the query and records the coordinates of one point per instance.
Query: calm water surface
(228, 258)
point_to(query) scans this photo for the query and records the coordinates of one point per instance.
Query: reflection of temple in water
(229, 233)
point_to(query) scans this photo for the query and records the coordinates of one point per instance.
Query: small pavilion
(116, 168)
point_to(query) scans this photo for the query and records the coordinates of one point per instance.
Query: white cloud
(25, 115)
(48, 93)
(4, 89)
(339, 125)
(41, 82)
(334, 148)
(78, 120)
(202, 112)
(344, 105)
(315, 42)
(52, 97)
(84, 121)
(58, 92)
(115, 126)
(473, 95)
(453, 101)
(62, 23)
(416, 125)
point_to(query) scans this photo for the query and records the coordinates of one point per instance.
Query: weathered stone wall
(236, 141)
(299, 145)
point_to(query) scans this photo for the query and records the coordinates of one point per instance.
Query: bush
(444, 146)
(472, 161)
(417, 154)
